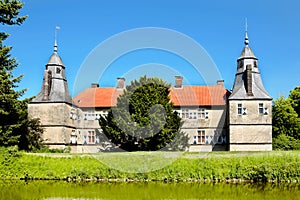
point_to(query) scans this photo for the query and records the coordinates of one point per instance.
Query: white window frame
(242, 110)
(202, 114)
(262, 110)
(91, 137)
(200, 137)
(185, 113)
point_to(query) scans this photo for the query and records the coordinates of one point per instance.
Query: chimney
(249, 80)
(47, 84)
(94, 85)
(120, 83)
(220, 82)
(178, 81)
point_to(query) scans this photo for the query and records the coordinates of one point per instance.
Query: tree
(285, 119)
(15, 127)
(144, 118)
(295, 99)
(285, 142)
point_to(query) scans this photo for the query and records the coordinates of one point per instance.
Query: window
(193, 115)
(91, 137)
(202, 114)
(255, 63)
(200, 137)
(240, 109)
(241, 64)
(261, 108)
(185, 113)
(90, 115)
(58, 70)
(73, 137)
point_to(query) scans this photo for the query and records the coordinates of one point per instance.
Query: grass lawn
(154, 166)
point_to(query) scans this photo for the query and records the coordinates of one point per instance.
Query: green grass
(153, 166)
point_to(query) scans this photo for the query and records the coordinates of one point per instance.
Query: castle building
(214, 118)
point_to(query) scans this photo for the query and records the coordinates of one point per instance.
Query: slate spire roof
(55, 87)
(247, 51)
(248, 76)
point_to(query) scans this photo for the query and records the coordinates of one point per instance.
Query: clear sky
(218, 26)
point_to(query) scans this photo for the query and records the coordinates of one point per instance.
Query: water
(124, 191)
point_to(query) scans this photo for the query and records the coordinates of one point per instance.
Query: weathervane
(246, 30)
(55, 37)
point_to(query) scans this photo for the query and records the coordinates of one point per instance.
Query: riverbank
(153, 166)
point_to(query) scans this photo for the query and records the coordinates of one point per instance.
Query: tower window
(241, 64)
(239, 108)
(255, 63)
(58, 70)
(261, 108)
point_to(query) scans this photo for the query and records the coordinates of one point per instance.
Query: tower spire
(55, 38)
(246, 30)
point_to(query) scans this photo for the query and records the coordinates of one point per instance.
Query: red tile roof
(185, 96)
(97, 97)
(199, 95)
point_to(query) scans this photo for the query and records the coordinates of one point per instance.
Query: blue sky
(218, 26)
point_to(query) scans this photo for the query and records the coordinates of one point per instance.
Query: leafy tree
(285, 142)
(295, 99)
(285, 119)
(15, 127)
(144, 118)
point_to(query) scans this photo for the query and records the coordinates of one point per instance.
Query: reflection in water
(124, 191)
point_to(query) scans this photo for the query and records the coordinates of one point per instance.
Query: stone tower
(250, 107)
(53, 105)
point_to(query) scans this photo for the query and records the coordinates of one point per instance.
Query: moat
(92, 190)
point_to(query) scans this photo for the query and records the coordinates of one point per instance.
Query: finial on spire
(55, 37)
(246, 30)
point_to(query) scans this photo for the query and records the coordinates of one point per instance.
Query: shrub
(285, 142)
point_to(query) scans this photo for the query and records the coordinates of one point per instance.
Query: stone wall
(57, 122)
(215, 127)
(252, 130)
(52, 114)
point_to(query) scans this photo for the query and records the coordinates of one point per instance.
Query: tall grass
(279, 166)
